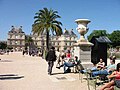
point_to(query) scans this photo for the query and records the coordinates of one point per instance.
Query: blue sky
(104, 14)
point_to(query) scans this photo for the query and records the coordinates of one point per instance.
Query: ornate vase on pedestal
(82, 48)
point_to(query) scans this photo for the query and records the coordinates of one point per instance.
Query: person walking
(23, 53)
(51, 58)
(58, 58)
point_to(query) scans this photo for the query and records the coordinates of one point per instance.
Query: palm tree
(28, 41)
(45, 21)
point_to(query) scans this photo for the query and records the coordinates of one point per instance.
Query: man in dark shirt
(51, 58)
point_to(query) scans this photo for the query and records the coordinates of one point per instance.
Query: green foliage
(3, 45)
(115, 38)
(9, 47)
(97, 33)
(28, 40)
(117, 54)
(45, 54)
(45, 21)
(117, 47)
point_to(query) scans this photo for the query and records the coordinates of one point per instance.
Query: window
(10, 43)
(10, 36)
(16, 36)
(53, 43)
(16, 42)
(69, 44)
(66, 44)
(20, 36)
(20, 43)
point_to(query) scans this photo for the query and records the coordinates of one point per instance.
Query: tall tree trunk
(47, 40)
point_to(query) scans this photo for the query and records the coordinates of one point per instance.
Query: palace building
(63, 42)
(16, 40)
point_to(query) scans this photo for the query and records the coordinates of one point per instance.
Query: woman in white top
(58, 58)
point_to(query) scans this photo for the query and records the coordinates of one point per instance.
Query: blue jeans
(67, 64)
(100, 72)
(92, 69)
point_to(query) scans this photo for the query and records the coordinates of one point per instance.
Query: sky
(103, 14)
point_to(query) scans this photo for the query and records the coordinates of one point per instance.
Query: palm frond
(45, 20)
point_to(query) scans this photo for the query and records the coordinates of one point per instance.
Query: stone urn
(82, 28)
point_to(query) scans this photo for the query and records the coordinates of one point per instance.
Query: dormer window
(16, 37)
(10, 36)
(16, 42)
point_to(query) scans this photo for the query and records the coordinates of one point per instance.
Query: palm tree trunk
(47, 41)
(47, 45)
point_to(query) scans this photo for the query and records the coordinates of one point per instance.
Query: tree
(97, 33)
(3, 45)
(115, 38)
(28, 41)
(45, 21)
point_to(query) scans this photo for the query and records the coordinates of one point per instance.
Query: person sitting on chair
(93, 68)
(68, 55)
(106, 70)
(69, 64)
(116, 75)
(101, 64)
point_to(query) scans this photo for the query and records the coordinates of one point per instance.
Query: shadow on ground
(61, 73)
(10, 77)
(6, 61)
(57, 73)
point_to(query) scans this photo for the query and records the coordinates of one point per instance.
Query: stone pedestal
(84, 55)
(82, 48)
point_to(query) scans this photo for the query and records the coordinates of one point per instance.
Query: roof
(103, 39)
(67, 32)
(72, 33)
(16, 30)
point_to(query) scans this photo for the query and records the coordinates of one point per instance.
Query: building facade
(16, 39)
(63, 42)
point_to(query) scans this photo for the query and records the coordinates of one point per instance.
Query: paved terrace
(30, 73)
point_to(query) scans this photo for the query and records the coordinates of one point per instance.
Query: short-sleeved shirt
(111, 66)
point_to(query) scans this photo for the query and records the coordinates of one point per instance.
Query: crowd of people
(111, 71)
(32, 52)
(65, 60)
